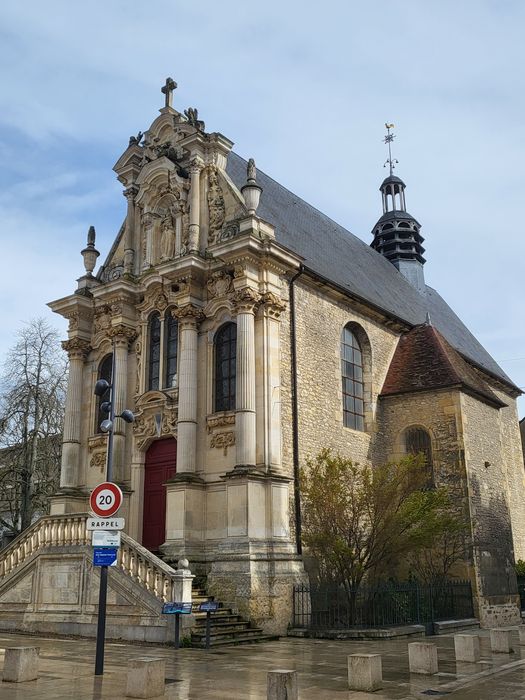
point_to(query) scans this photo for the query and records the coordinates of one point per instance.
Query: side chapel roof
(332, 252)
(424, 360)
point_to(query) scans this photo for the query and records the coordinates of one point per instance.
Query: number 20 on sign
(105, 499)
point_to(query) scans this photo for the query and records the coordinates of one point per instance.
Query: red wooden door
(160, 466)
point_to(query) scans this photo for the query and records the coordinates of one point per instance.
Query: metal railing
(391, 604)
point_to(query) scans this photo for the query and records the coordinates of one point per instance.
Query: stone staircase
(226, 626)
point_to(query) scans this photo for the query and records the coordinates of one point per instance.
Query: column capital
(189, 315)
(122, 335)
(246, 300)
(130, 192)
(76, 348)
(196, 165)
(273, 304)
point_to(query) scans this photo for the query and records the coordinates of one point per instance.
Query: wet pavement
(67, 670)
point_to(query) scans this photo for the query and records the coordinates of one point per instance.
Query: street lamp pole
(107, 426)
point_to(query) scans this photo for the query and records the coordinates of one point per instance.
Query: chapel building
(249, 331)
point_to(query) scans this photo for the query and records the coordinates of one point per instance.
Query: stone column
(121, 336)
(77, 349)
(246, 301)
(129, 250)
(188, 317)
(195, 172)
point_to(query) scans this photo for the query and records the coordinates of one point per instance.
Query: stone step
(218, 619)
(250, 633)
(220, 627)
(240, 639)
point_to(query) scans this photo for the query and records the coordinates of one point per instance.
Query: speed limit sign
(105, 499)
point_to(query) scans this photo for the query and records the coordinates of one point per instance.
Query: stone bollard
(521, 631)
(281, 685)
(500, 641)
(423, 658)
(21, 664)
(467, 647)
(146, 677)
(365, 672)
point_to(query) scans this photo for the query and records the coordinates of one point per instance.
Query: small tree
(32, 395)
(361, 521)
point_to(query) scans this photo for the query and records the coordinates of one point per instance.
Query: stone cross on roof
(167, 90)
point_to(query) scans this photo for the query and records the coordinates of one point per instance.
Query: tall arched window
(104, 372)
(225, 359)
(154, 352)
(171, 340)
(352, 379)
(418, 441)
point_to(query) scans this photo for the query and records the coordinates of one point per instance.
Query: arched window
(418, 441)
(352, 378)
(171, 340)
(154, 352)
(104, 372)
(225, 358)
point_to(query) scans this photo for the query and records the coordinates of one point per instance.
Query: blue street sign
(105, 556)
(209, 606)
(173, 608)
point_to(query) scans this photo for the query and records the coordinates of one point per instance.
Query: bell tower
(397, 234)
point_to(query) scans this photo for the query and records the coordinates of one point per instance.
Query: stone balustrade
(70, 530)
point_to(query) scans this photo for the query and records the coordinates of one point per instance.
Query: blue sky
(305, 88)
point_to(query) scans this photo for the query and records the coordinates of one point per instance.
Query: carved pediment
(153, 397)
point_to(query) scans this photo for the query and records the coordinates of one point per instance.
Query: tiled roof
(332, 252)
(424, 360)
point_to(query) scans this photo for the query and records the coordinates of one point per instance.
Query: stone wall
(488, 463)
(319, 323)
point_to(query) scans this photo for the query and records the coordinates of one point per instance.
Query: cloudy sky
(303, 87)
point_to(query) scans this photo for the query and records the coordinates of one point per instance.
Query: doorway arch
(159, 466)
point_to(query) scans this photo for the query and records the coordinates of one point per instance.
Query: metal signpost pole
(103, 591)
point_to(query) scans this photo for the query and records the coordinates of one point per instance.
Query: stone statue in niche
(167, 239)
(185, 241)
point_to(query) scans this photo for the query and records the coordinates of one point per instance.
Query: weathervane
(388, 139)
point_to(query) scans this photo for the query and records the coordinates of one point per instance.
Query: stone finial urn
(251, 191)
(90, 253)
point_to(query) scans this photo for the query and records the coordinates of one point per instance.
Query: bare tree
(32, 395)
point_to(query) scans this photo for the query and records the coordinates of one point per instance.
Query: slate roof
(424, 360)
(332, 252)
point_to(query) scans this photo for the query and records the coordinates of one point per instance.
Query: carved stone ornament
(122, 332)
(75, 317)
(274, 304)
(229, 231)
(97, 445)
(239, 271)
(113, 272)
(76, 348)
(160, 302)
(246, 300)
(220, 284)
(102, 318)
(146, 426)
(216, 207)
(219, 421)
(98, 461)
(223, 441)
(189, 314)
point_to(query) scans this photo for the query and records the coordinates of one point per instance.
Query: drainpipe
(295, 428)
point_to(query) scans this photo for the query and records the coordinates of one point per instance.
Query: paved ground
(66, 671)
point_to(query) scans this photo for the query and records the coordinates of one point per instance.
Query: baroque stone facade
(217, 305)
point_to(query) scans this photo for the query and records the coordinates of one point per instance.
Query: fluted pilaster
(246, 301)
(121, 336)
(77, 350)
(188, 317)
(129, 251)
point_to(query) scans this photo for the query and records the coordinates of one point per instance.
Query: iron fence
(334, 607)
(521, 591)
